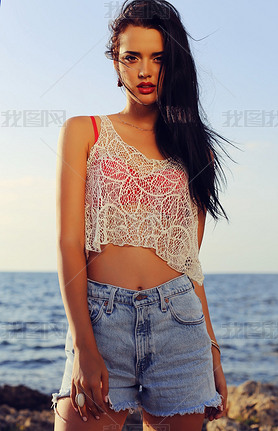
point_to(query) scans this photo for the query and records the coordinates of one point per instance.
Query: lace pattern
(130, 199)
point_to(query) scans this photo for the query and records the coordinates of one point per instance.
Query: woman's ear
(116, 66)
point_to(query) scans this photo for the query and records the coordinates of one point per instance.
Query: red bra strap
(95, 127)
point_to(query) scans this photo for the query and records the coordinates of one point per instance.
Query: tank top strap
(108, 124)
(95, 127)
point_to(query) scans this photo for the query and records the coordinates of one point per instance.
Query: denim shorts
(155, 345)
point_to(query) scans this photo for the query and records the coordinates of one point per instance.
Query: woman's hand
(89, 375)
(220, 383)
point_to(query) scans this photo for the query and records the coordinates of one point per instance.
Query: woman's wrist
(215, 344)
(216, 354)
(85, 342)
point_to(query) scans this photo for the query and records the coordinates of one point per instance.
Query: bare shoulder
(81, 130)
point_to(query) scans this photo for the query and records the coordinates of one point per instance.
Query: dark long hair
(180, 132)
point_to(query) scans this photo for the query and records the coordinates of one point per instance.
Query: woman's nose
(144, 69)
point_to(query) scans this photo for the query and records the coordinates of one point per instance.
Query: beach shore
(251, 406)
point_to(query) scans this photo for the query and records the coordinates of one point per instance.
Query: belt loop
(162, 301)
(109, 308)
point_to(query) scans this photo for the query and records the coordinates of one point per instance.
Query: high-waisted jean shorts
(155, 346)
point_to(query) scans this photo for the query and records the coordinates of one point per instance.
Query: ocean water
(33, 325)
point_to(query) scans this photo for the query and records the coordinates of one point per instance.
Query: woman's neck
(145, 115)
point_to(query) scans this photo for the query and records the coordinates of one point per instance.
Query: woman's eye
(130, 58)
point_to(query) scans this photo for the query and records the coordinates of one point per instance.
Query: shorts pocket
(96, 308)
(186, 308)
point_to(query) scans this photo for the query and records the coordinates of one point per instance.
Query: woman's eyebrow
(139, 54)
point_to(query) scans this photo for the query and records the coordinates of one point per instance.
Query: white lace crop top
(131, 199)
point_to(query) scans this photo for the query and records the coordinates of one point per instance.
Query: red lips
(146, 84)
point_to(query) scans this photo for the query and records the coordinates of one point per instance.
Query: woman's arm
(70, 196)
(219, 378)
(200, 291)
(89, 374)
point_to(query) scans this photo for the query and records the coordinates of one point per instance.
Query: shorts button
(106, 302)
(141, 296)
(166, 300)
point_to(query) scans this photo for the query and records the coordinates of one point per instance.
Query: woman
(133, 190)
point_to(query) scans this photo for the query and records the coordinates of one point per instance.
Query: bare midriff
(135, 268)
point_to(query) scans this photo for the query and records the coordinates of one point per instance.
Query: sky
(53, 67)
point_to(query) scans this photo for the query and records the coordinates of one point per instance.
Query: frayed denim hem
(132, 407)
(55, 397)
(214, 402)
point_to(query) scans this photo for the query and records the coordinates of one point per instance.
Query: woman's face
(140, 53)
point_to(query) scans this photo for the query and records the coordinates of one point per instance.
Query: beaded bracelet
(215, 345)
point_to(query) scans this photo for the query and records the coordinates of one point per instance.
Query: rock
(251, 406)
(222, 424)
(25, 420)
(254, 403)
(22, 397)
